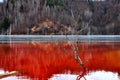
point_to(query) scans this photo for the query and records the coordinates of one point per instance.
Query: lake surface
(56, 61)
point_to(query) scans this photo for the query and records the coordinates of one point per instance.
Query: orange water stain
(42, 60)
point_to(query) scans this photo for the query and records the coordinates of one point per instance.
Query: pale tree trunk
(78, 59)
(74, 47)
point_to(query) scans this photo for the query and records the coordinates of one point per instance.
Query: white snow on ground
(11, 77)
(98, 75)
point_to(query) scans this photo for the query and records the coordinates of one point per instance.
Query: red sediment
(42, 60)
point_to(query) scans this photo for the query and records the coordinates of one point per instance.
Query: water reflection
(43, 60)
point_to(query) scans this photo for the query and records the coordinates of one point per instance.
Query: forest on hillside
(60, 17)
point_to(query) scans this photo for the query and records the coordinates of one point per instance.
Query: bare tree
(78, 60)
(74, 47)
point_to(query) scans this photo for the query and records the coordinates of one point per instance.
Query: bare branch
(76, 55)
(8, 74)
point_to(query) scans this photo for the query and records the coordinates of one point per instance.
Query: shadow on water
(43, 60)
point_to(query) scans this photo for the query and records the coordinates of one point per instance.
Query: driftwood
(8, 74)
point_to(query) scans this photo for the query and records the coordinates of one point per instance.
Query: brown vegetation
(80, 17)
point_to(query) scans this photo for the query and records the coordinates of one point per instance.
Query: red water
(42, 60)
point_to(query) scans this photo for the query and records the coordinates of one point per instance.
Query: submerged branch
(8, 74)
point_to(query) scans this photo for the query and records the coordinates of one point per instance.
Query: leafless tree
(78, 60)
(75, 48)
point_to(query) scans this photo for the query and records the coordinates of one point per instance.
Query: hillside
(83, 17)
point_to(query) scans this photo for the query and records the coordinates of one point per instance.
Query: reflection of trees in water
(43, 59)
(5, 47)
